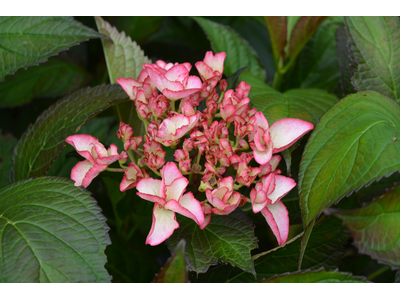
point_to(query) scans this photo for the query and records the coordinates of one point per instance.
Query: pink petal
(215, 62)
(169, 173)
(127, 84)
(262, 157)
(234, 202)
(164, 224)
(175, 95)
(150, 189)
(258, 198)
(189, 202)
(277, 218)
(283, 185)
(85, 171)
(176, 189)
(286, 132)
(83, 144)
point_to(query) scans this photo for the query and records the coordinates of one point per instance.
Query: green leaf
(375, 48)
(239, 54)
(305, 104)
(277, 28)
(26, 41)
(54, 78)
(51, 231)
(302, 32)
(354, 144)
(174, 270)
(375, 227)
(228, 238)
(139, 28)
(319, 276)
(344, 62)
(7, 144)
(324, 249)
(124, 58)
(42, 142)
(317, 64)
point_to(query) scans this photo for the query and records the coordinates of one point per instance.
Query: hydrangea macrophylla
(281, 135)
(97, 158)
(167, 194)
(221, 147)
(173, 80)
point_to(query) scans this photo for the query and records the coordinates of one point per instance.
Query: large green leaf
(174, 270)
(277, 28)
(239, 54)
(375, 48)
(42, 142)
(344, 62)
(320, 276)
(26, 41)
(53, 78)
(124, 58)
(375, 228)
(325, 249)
(302, 32)
(305, 104)
(7, 144)
(51, 231)
(355, 143)
(228, 238)
(317, 65)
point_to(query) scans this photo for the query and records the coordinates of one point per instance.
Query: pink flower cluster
(217, 150)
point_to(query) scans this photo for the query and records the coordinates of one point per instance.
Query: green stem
(304, 242)
(115, 170)
(378, 272)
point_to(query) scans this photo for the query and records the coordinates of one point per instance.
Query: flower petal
(169, 173)
(189, 202)
(83, 144)
(283, 185)
(277, 218)
(150, 189)
(176, 189)
(164, 224)
(286, 132)
(85, 171)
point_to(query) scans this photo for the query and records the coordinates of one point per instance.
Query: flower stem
(115, 170)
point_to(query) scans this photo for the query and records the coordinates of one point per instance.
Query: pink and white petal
(85, 171)
(193, 82)
(150, 186)
(274, 162)
(258, 199)
(204, 70)
(260, 121)
(286, 132)
(207, 210)
(169, 173)
(175, 95)
(277, 218)
(164, 224)
(234, 202)
(176, 189)
(127, 84)
(226, 182)
(262, 157)
(127, 184)
(176, 73)
(176, 207)
(215, 62)
(83, 144)
(157, 79)
(189, 202)
(283, 185)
